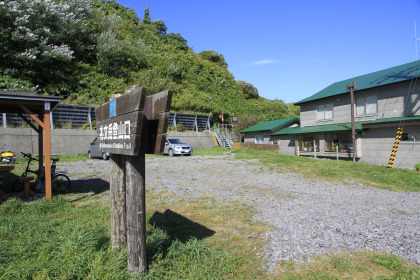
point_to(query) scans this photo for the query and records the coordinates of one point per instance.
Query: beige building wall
(391, 103)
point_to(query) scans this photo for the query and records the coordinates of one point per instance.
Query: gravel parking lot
(309, 217)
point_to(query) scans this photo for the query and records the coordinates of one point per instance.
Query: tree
(160, 25)
(146, 17)
(249, 91)
(214, 56)
(40, 40)
(117, 56)
(293, 110)
(244, 121)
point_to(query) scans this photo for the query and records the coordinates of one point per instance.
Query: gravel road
(310, 217)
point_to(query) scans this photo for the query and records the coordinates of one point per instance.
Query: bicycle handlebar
(26, 155)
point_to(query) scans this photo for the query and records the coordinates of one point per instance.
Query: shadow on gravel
(176, 227)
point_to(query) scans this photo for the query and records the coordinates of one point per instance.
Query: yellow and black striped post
(395, 148)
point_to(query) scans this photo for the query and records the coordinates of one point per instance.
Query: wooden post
(118, 201)
(40, 143)
(353, 131)
(47, 136)
(44, 129)
(337, 151)
(136, 213)
(128, 127)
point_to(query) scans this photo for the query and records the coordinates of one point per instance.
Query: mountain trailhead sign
(132, 120)
(128, 127)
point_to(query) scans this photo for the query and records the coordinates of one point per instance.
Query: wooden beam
(28, 122)
(32, 115)
(21, 102)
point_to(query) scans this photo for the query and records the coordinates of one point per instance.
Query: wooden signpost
(128, 127)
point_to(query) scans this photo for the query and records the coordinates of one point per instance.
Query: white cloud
(265, 61)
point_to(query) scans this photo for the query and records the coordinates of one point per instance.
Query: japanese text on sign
(115, 131)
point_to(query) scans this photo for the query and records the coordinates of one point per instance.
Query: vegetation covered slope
(86, 50)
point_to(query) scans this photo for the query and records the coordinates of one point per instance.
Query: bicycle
(60, 182)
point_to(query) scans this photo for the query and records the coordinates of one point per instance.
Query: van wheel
(104, 156)
(89, 155)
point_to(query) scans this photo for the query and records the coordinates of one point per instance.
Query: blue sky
(290, 50)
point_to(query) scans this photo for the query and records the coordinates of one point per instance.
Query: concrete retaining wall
(63, 141)
(76, 141)
(197, 140)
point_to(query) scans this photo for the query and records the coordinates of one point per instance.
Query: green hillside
(86, 50)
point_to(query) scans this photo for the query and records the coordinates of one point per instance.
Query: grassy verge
(59, 239)
(394, 179)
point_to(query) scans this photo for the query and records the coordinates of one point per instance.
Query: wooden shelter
(38, 108)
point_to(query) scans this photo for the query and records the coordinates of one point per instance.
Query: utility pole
(416, 39)
(353, 131)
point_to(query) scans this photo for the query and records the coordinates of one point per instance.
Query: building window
(307, 143)
(259, 139)
(342, 142)
(367, 105)
(325, 112)
(410, 137)
(404, 137)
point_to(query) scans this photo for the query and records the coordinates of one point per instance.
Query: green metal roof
(270, 125)
(318, 129)
(393, 120)
(380, 78)
(341, 127)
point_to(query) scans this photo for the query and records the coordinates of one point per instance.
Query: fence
(190, 121)
(65, 115)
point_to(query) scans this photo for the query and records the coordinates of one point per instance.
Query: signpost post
(128, 127)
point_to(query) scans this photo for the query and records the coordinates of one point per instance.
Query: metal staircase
(223, 137)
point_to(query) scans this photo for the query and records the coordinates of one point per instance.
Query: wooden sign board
(132, 120)
(156, 112)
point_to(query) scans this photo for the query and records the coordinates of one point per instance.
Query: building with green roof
(260, 133)
(384, 100)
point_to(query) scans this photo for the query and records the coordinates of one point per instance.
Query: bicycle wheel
(61, 183)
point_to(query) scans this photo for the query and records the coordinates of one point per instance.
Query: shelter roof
(10, 100)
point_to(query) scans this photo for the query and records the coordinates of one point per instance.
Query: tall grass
(57, 239)
(54, 239)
